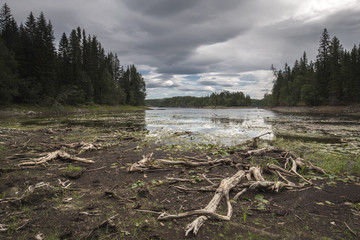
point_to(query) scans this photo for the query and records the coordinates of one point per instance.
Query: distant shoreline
(329, 110)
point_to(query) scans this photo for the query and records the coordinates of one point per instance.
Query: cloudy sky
(196, 47)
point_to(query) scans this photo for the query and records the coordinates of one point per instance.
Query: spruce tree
(323, 66)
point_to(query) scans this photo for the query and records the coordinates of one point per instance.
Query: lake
(215, 126)
(210, 126)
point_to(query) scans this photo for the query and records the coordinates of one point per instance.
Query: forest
(79, 71)
(223, 99)
(333, 79)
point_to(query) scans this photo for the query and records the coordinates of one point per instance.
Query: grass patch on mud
(323, 155)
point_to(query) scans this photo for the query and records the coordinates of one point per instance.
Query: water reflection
(217, 126)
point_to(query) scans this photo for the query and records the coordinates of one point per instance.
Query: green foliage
(8, 76)
(333, 79)
(261, 202)
(138, 184)
(80, 72)
(72, 168)
(224, 99)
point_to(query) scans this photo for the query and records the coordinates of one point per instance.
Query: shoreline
(23, 109)
(353, 110)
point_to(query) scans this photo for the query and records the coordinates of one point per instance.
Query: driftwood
(148, 163)
(84, 146)
(53, 155)
(251, 179)
(144, 164)
(209, 211)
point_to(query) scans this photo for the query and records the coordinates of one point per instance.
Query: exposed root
(53, 155)
(84, 146)
(254, 180)
(144, 164)
(147, 163)
(209, 211)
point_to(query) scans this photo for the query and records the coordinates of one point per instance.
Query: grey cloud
(169, 36)
(213, 83)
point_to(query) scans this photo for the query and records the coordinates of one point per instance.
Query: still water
(216, 126)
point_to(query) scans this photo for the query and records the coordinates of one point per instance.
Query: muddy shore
(66, 199)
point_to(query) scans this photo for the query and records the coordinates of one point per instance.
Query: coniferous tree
(79, 72)
(9, 31)
(333, 79)
(335, 84)
(45, 57)
(8, 75)
(323, 66)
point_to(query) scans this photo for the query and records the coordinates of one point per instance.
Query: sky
(196, 47)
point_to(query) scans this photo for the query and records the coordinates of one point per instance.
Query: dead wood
(257, 152)
(26, 193)
(84, 146)
(195, 164)
(202, 189)
(54, 155)
(253, 177)
(235, 198)
(147, 163)
(270, 186)
(209, 211)
(144, 164)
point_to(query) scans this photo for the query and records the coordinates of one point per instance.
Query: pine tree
(323, 66)
(9, 31)
(8, 75)
(335, 81)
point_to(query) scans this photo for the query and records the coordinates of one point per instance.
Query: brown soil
(104, 201)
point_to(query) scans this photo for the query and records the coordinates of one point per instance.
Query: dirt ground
(105, 201)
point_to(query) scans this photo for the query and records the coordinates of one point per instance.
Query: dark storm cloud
(195, 46)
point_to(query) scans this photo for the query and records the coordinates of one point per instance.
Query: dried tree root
(53, 155)
(209, 211)
(84, 146)
(144, 164)
(147, 163)
(255, 181)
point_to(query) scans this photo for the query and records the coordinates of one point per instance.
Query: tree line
(79, 71)
(223, 99)
(333, 79)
